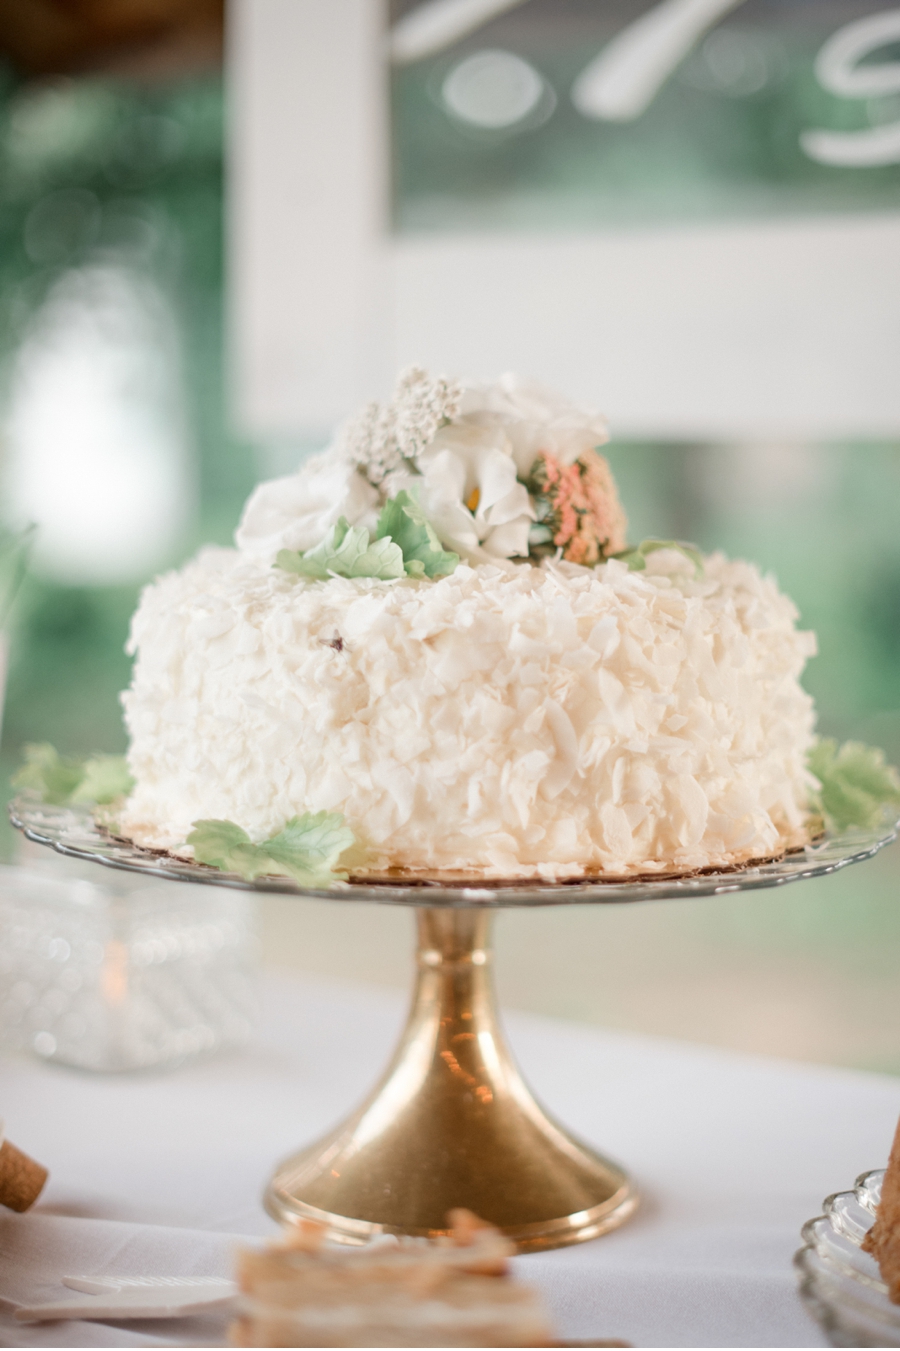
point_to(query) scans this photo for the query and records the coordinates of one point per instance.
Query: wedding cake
(435, 640)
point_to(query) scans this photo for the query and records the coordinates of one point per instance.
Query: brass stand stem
(452, 1124)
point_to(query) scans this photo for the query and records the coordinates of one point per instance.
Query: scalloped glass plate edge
(839, 1283)
(72, 831)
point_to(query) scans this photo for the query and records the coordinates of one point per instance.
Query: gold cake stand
(451, 1122)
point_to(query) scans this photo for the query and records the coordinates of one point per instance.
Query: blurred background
(688, 214)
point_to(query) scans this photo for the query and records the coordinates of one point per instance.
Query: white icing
(508, 719)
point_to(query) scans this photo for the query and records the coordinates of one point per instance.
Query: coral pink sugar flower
(579, 506)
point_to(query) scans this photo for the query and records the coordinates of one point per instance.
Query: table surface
(161, 1174)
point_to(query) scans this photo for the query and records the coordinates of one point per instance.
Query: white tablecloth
(162, 1173)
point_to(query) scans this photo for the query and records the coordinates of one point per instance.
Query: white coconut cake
(510, 720)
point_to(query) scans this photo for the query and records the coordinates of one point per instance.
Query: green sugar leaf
(216, 837)
(345, 552)
(290, 560)
(104, 778)
(53, 776)
(62, 779)
(307, 848)
(404, 521)
(856, 783)
(405, 543)
(224, 845)
(636, 558)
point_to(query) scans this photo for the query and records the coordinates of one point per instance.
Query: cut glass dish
(129, 975)
(840, 1284)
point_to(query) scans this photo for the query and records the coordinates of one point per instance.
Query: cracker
(453, 1291)
(883, 1239)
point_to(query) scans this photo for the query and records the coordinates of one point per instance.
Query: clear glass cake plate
(72, 831)
(840, 1284)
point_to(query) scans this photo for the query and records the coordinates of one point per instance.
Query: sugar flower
(471, 493)
(500, 470)
(578, 508)
(534, 419)
(296, 512)
(383, 436)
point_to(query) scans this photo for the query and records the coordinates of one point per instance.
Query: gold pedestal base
(452, 1124)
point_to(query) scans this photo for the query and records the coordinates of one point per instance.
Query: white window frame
(777, 328)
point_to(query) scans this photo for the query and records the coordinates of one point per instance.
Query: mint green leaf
(346, 552)
(48, 773)
(104, 778)
(309, 846)
(383, 558)
(224, 845)
(404, 521)
(62, 779)
(636, 558)
(211, 837)
(856, 783)
(306, 849)
(290, 560)
(405, 542)
(247, 860)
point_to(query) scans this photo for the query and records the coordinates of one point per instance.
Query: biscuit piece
(453, 1291)
(883, 1239)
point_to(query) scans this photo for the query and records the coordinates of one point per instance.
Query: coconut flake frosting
(507, 721)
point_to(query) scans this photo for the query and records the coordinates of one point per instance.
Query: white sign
(782, 328)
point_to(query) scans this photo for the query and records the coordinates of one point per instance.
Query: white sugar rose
(469, 491)
(534, 419)
(297, 512)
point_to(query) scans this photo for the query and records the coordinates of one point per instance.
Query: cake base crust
(413, 877)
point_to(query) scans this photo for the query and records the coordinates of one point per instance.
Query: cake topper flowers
(499, 471)
(386, 437)
(577, 508)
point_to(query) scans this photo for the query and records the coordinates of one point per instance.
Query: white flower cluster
(460, 448)
(382, 436)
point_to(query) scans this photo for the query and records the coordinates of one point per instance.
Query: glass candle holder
(115, 977)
